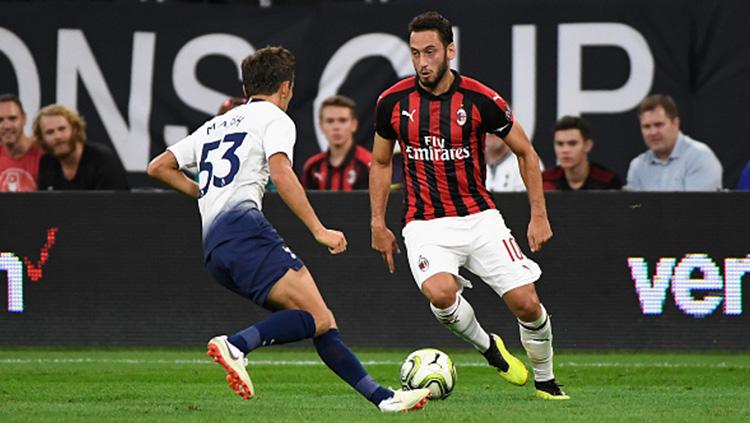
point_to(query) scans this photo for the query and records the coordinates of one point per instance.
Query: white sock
(460, 319)
(536, 338)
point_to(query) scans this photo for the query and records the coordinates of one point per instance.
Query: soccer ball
(429, 368)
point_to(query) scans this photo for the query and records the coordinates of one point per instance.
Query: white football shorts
(479, 242)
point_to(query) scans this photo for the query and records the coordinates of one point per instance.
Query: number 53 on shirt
(231, 142)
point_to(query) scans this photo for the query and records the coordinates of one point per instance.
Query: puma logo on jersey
(409, 115)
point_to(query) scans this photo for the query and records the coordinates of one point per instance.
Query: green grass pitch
(293, 386)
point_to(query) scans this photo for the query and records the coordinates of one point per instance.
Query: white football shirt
(231, 152)
(505, 176)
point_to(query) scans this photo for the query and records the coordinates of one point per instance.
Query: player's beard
(439, 74)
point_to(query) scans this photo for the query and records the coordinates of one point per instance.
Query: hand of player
(384, 242)
(334, 240)
(539, 233)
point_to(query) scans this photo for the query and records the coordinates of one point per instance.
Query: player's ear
(244, 91)
(589, 144)
(289, 89)
(451, 50)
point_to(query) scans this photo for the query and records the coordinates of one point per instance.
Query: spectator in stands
(19, 154)
(744, 182)
(345, 166)
(70, 163)
(574, 170)
(503, 174)
(673, 161)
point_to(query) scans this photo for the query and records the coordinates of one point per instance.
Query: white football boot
(234, 363)
(403, 401)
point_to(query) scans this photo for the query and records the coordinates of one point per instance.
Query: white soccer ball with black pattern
(429, 368)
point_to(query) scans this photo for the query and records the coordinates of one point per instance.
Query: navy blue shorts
(251, 263)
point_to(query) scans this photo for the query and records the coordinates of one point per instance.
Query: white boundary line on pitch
(719, 365)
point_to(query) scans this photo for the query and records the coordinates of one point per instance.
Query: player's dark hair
(574, 122)
(12, 98)
(265, 70)
(433, 21)
(659, 100)
(339, 101)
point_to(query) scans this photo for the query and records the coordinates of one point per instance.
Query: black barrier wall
(143, 75)
(644, 271)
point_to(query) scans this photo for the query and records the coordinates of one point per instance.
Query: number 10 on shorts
(514, 251)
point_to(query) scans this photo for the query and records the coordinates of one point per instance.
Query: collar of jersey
(347, 158)
(444, 96)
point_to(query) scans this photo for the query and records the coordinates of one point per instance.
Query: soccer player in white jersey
(236, 153)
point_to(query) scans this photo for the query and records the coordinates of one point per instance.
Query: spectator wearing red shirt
(19, 154)
(345, 166)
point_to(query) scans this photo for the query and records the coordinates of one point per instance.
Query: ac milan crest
(423, 264)
(351, 176)
(461, 117)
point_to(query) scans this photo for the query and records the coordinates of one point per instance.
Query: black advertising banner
(144, 75)
(634, 271)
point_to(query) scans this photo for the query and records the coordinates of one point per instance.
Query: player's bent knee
(529, 309)
(324, 322)
(444, 300)
(441, 297)
(524, 302)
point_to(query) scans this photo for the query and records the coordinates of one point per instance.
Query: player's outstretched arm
(539, 230)
(165, 168)
(381, 170)
(294, 196)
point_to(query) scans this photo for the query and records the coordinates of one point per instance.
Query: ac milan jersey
(442, 142)
(351, 174)
(599, 178)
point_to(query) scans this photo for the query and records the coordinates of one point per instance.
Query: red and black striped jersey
(442, 143)
(599, 178)
(352, 173)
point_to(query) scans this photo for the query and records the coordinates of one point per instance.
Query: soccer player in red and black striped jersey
(574, 170)
(345, 166)
(440, 119)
